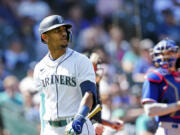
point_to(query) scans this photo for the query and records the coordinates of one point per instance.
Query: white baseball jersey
(59, 80)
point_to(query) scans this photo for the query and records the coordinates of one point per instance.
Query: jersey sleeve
(86, 77)
(85, 70)
(151, 88)
(37, 81)
(150, 92)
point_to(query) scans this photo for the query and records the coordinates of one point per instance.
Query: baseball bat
(94, 111)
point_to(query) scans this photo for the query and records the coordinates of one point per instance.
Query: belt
(59, 123)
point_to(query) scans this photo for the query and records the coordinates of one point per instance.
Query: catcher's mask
(164, 53)
(52, 22)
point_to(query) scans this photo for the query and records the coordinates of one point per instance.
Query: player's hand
(99, 128)
(69, 130)
(77, 124)
(117, 125)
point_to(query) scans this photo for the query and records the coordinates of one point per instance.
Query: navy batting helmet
(52, 22)
(158, 53)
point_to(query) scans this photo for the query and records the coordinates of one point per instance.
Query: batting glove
(69, 130)
(78, 122)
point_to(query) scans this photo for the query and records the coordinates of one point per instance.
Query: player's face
(57, 37)
(169, 55)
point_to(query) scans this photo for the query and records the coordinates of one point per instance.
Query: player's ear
(44, 37)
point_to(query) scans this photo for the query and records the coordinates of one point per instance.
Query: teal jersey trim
(42, 112)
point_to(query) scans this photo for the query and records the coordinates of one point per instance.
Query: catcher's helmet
(52, 22)
(159, 55)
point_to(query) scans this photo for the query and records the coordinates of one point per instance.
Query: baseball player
(99, 122)
(161, 89)
(67, 81)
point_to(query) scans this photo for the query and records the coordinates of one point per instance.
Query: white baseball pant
(168, 128)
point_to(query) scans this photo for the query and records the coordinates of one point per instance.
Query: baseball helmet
(52, 22)
(159, 56)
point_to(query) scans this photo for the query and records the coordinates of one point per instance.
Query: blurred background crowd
(120, 31)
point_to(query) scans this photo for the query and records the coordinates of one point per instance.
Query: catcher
(161, 89)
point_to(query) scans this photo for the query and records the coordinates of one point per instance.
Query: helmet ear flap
(69, 36)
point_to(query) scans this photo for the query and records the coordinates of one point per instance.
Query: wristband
(83, 110)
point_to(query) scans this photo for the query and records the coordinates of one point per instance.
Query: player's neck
(55, 54)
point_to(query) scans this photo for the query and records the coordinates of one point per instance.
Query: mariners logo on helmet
(161, 53)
